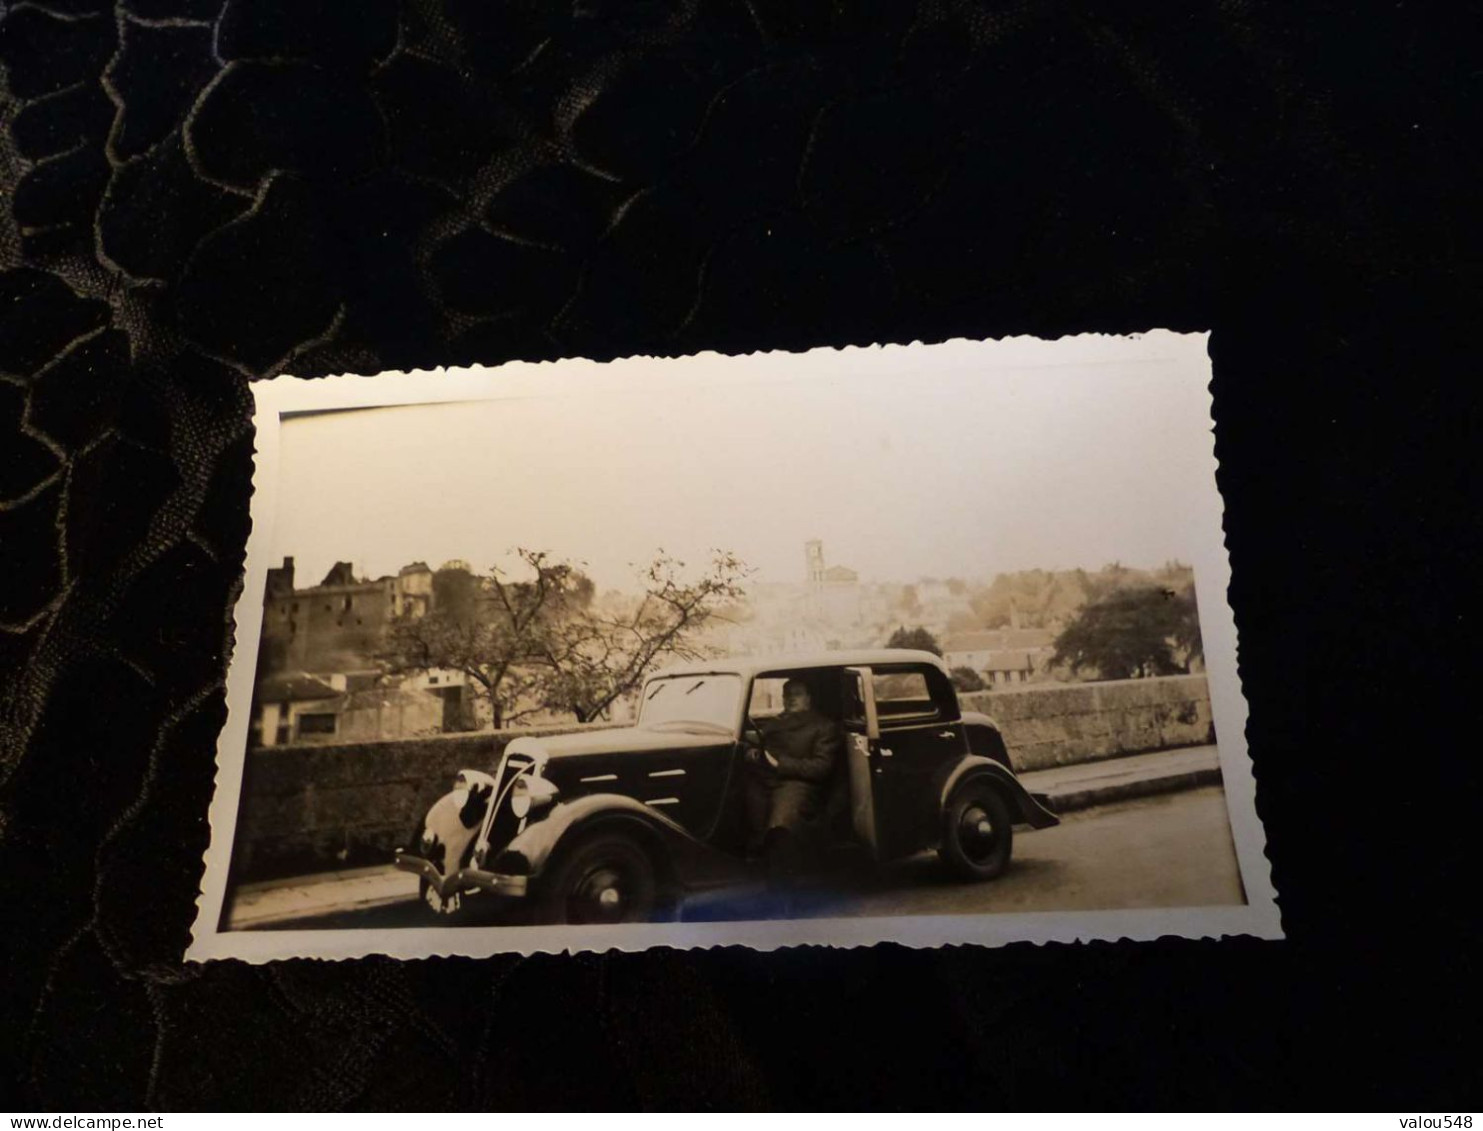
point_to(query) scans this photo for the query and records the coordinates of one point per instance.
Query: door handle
(947, 734)
(886, 753)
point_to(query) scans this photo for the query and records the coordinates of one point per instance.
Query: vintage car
(622, 824)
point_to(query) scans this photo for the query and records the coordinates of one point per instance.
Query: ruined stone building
(337, 625)
(318, 679)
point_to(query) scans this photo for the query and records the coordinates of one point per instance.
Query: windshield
(697, 704)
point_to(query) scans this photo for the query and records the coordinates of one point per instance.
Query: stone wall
(316, 808)
(1061, 725)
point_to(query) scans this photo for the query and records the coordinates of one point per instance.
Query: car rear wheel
(607, 879)
(977, 832)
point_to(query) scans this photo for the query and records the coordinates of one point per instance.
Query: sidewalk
(1120, 779)
(302, 897)
(1068, 788)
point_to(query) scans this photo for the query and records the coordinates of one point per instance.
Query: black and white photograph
(737, 555)
(927, 644)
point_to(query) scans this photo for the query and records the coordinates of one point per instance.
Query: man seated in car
(789, 772)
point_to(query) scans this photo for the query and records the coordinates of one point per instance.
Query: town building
(1001, 655)
(297, 708)
(318, 676)
(834, 597)
(339, 624)
(282, 703)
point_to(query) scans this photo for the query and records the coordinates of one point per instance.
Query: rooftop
(293, 687)
(1008, 660)
(999, 638)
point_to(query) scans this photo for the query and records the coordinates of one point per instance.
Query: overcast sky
(904, 470)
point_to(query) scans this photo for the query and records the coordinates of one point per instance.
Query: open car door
(862, 750)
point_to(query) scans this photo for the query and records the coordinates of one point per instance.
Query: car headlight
(530, 793)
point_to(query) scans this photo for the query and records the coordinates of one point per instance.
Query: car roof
(748, 666)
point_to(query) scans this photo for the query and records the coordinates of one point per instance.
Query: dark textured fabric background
(199, 193)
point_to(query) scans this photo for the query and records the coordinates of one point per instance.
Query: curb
(1073, 798)
(268, 919)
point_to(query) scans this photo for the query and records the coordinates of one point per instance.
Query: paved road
(1171, 850)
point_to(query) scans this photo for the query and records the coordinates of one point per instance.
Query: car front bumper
(465, 879)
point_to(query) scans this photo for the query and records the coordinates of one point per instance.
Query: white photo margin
(285, 396)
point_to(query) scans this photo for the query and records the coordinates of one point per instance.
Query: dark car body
(671, 786)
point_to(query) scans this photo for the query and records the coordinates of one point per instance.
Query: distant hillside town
(327, 673)
(831, 609)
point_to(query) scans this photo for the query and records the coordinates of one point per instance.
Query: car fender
(975, 721)
(681, 858)
(451, 825)
(1032, 811)
(980, 719)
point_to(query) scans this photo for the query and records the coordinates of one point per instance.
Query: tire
(977, 831)
(608, 878)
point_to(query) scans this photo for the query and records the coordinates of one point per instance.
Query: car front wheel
(978, 832)
(607, 879)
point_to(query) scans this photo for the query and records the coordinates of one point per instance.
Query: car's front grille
(504, 824)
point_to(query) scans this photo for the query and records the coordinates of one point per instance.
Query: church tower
(813, 557)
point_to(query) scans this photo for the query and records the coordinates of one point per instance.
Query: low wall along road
(316, 808)
(1063, 725)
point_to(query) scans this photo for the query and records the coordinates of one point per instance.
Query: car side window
(767, 697)
(852, 707)
(903, 696)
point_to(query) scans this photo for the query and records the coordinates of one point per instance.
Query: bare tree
(493, 630)
(596, 657)
(539, 640)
